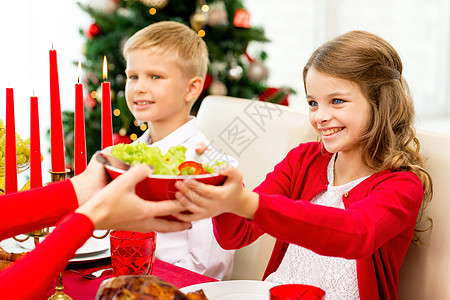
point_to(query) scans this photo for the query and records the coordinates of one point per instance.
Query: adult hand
(204, 201)
(117, 206)
(89, 182)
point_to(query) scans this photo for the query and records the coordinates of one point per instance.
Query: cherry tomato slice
(191, 168)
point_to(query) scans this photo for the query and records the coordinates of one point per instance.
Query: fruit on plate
(22, 148)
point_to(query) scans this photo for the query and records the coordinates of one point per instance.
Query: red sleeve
(31, 276)
(234, 232)
(387, 210)
(35, 209)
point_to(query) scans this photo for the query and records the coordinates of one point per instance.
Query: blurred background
(257, 53)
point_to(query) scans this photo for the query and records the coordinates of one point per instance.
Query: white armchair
(425, 272)
(258, 135)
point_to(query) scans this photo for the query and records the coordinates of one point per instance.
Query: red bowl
(296, 292)
(162, 187)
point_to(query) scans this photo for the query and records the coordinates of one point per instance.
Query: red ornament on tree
(208, 81)
(117, 139)
(90, 102)
(92, 31)
(242, 18)
(275, 95)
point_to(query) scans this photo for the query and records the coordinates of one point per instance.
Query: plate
(93, 249)
(90, 257)
(91, 246)
(234, 289)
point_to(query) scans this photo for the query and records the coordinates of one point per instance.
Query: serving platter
(234, 289)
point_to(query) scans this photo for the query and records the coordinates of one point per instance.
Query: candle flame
(79, 71)
(105, 68)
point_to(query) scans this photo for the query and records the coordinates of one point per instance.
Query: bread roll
(4, 264)
(7, 258)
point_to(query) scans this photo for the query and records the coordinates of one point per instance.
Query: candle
(35, 145)
(10, 145)
(56, 130)
(80, 132)
(107, 135)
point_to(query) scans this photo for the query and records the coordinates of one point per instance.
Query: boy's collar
(178, 136)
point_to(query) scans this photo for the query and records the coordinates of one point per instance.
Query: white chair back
(425, 272)
(258, 135)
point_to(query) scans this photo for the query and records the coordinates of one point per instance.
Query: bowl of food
(168, 168)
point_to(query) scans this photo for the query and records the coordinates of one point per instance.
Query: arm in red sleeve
(35, 209)
(234, 232)
(30, 277)
(378, 210)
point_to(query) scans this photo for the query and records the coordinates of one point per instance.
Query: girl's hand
(204, 201)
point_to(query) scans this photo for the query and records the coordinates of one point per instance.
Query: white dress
(195, 249)
(335, 275)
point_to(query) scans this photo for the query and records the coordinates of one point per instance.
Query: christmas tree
(223, 24)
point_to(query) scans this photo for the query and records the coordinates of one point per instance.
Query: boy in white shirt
(166, 67)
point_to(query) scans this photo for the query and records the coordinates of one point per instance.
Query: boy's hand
(201, 148)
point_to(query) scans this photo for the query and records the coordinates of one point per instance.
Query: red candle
(56, 130)
(80, 132)
(35, 145)
(107, 134)
(10, 145)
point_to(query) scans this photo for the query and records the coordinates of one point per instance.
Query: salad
(172, 163)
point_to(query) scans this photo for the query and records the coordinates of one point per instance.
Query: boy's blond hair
(176, 40)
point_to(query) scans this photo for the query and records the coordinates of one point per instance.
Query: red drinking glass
(132, 253)
(296, 292)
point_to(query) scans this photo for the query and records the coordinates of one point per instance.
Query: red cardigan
(375, 228)
(31, 276)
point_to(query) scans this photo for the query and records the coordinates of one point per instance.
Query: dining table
(80, 288)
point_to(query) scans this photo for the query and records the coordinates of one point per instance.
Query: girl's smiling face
(338, 111)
